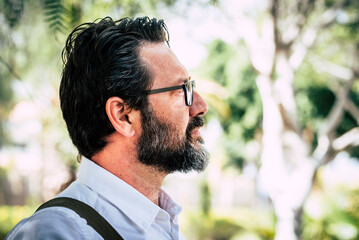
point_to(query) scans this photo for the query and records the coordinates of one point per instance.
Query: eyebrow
(182, 81)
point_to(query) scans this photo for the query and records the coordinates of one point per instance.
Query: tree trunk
(277, 47)
(287, 169)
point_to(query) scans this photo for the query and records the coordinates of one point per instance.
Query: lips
(195, 133)
(196, 122)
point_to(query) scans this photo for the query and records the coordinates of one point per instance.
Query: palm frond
(54, 14)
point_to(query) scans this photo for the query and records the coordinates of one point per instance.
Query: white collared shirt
(132, 214)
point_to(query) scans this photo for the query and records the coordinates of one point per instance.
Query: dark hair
(101, 60)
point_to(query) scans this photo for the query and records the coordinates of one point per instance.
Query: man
(132, 112)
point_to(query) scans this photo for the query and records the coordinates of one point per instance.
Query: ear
(119, 116)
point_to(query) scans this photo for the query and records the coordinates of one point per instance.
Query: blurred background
(281, 81)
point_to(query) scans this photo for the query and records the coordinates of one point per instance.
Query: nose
(199, 106)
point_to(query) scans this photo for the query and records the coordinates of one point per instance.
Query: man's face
(170, 139)
(163, 146)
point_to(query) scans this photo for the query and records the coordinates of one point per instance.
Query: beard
(163, 147)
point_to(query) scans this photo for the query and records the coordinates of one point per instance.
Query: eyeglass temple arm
(163, 89)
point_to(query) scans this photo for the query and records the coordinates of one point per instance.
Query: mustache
(195, 123)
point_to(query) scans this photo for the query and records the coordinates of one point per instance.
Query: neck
(145, 179)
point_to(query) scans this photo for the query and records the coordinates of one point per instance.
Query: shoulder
(52, 223)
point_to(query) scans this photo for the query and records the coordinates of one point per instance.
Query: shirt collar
(167, 204)
(127, 199)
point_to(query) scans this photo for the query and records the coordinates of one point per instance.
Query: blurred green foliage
(239, 223)
(314, 85)
(32, 34)
(228, 65)
(31, 39)
(314, 90)
(11, 215)
(205, 194)
(338, 217)
(335, 217)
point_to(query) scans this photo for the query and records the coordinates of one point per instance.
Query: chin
(197, 143)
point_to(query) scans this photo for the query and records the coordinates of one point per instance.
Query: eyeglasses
(188, 88)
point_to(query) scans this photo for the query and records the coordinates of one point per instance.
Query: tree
(61, 16)
(283, 43)
(32, 36)
(10, 18)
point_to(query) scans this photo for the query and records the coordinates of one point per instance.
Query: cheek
(177, 119)
(171, 110)
(180, 119)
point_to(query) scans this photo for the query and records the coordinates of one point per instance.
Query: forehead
(163, 65)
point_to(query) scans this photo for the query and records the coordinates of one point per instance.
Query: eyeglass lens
(189, 92)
